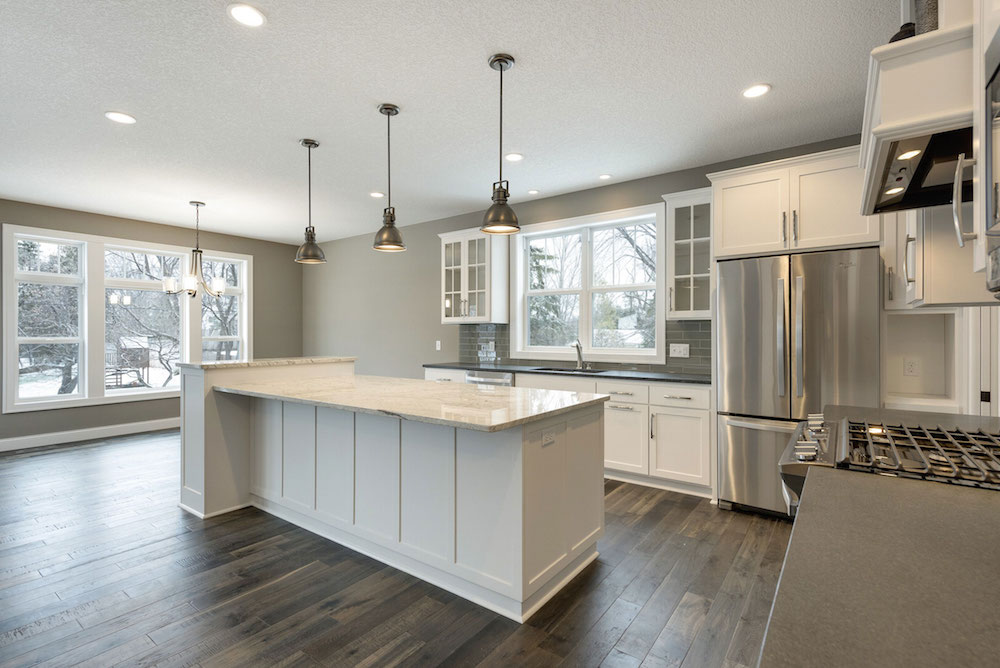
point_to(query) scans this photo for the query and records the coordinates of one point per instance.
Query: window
(596, 279)
(86, 320)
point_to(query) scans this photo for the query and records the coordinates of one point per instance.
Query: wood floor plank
(98, 566)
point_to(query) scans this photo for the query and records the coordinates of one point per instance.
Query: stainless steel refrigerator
(796, 332)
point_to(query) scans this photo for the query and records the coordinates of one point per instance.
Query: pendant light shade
(388, 239)
(310, 252)
(500, 218)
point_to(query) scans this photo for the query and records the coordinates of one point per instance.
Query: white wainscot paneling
(376, 456)
(298, 456)
(335, 465)
(427, 489)
(488, 507)
(267, 436)
(584, 461)
(545, 487)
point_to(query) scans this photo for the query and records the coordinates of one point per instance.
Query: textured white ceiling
(633, 88)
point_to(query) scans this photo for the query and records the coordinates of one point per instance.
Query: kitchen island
(493, 493)
(884, 571)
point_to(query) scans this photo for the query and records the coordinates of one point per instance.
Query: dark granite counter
(622, 374)
(884, 571)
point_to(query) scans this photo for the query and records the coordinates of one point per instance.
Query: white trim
(203, 516)
(87, 434)
(93, 286)
(518, 295)
(659, 483)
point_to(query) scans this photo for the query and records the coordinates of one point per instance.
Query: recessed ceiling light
(894, 190)
(514, 157)
(247, 15)
(909, 154)
(119, 117)
(532, 192)
(376, 194)
(604, 177)
(757, 90)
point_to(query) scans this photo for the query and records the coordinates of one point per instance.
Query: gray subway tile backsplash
(491, 343)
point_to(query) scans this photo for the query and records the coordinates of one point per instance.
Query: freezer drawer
(749, 450)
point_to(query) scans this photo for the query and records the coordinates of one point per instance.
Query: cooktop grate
(944, 455)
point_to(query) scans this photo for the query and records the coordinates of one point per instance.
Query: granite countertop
(623, 374)
(452, 404)
(884, 571)
(274, 361)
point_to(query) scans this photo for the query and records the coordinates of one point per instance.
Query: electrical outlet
(911, 366)
(680, 350)
(437, 345)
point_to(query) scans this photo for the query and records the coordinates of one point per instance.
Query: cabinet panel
(626, 437)
(446, 375)
(427, 489)
(689, 254)
(266, 467)
(298, 456)
(474, 275)
(679, 445)
(681, 395)
(624, 391)
(377, 476)
(750, 213)
(335, 464)
(824, 197)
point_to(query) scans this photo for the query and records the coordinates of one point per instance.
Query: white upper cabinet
(823, 198)
(795, 204)
(689, 254)
(751, 212)
(473, 277)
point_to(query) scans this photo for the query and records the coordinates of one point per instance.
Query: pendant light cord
(388, 157)
(197, 227)
(501, 126)
(309, 162)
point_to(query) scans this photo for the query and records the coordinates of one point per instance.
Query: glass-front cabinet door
(473, 277)
(452, 267)
(689, 254)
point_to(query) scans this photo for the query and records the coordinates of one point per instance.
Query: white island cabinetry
(493, 493)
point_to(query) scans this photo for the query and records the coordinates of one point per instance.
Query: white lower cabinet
(655, 433)
(625, 439)
(678, 445)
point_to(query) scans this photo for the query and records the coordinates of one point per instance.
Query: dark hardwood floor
(99, 567)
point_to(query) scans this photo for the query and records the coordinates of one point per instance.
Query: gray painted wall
(277, 306)
(383, 308)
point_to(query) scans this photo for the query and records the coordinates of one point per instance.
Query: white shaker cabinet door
(751, 213)
(824, 204)
(626, 441)
(679, 445)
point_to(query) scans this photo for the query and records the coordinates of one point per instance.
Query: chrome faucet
(579, 355)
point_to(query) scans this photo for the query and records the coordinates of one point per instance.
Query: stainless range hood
(916, 141)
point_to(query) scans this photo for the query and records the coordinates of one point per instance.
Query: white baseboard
(88, 434)
(659, 483)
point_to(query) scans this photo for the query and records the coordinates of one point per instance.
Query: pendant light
(388, 239)
(194, 278)
(500, 218)
(310, 252)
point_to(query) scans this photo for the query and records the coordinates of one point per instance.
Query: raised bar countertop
(884, 571)
(602, 373)
(452, 404)
(274, 361)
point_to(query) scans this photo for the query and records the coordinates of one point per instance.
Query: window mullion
(92, 372)
(585, 330)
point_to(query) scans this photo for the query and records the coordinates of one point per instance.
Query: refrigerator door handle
(762, 425)
(779, 322)
(798, 337)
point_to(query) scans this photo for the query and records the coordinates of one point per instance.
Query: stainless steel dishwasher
(497, 378)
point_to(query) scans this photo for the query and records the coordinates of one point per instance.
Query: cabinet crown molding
(784, 162)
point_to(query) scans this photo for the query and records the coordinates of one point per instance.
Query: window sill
(114, 398)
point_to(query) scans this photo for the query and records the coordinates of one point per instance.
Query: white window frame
(586, 224)
(92, 305)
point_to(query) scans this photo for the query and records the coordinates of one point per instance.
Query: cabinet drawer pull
(677, 396)
(443, 380)
(624, 394)
(620, 408)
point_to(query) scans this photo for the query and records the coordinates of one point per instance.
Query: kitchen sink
(569, 369)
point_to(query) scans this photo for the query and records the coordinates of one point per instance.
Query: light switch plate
(680, 350)
(911, 366)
